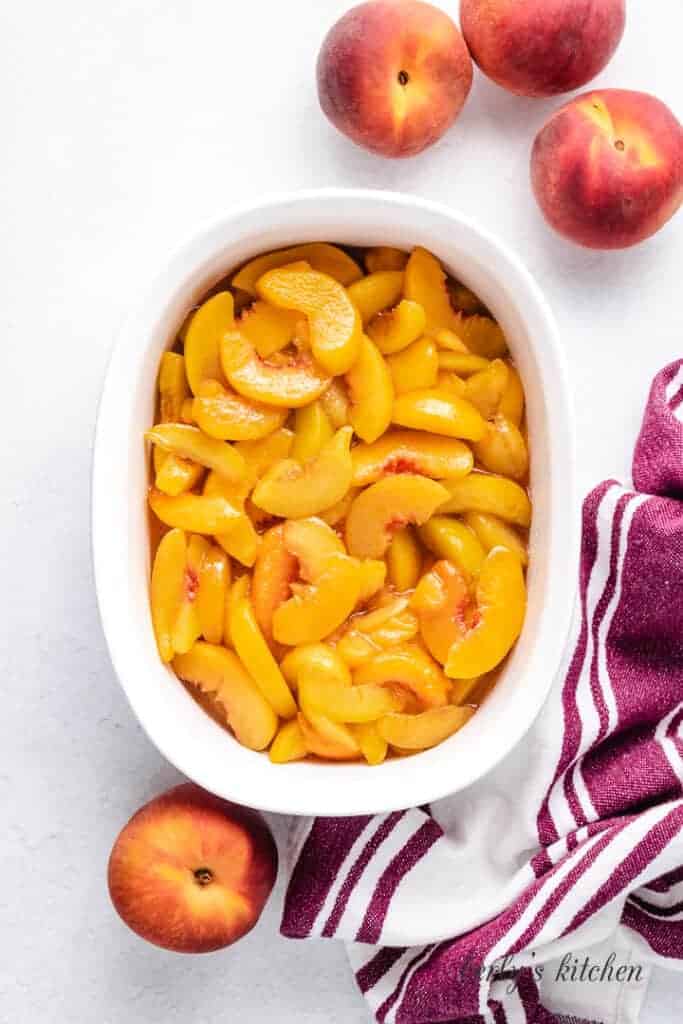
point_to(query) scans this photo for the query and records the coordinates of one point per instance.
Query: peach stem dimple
(204, 876)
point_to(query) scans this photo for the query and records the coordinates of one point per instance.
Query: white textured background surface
(123, 126)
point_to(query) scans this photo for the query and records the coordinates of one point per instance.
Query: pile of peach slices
(340, 503)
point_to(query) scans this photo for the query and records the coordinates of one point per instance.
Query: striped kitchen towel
(543, 892)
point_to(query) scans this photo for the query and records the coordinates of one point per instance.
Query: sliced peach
(208, 325)
(338, 512)
(354, 648)
(512, 402)
(439, 412)
(359, 703)
(219, 672)
(442, 601)
(289, 744)
(173, 389)
(410, 666)
(501, 606)
(385, 257)
(494, 495)
(376, 292)
(486, 388)
(335, 402)
(194, 512)
(212, 593)
(463, 299)
(482, 335)
(292, 490)
(250, 644)
(319, 660)
(426, 283)
(410, 451)
(261, 454)
(386, 506)
(275, 570)
(268, 328)
(399, 629)
(327, 259)
(387, 609)
(325, 738)
(241, 540)
(404, 559)
(231, 417)
(312, 429)
(168, 579)
(448, 381)
(371, 392)
(321, 607)
(503, 449)
(395, 329)
(448, 341)
(419, 732)
(373, 573)
(286, 381)
(493, 533)
(463, 363)
(312, 542)
(190, 443)
(186, 415)
(417, 366)
(334, 322)
(373, 747)
(175, 475)
(447, 537)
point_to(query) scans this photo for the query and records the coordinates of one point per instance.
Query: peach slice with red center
(410, 451)
(167, 586)
(190, 443)
(376, 292)
(385, 507)
(275, 570)
(371, 392)
(393, 330)
(286, 381)
(442, 601)
(417, 366)
(493, 495)
(439, 412)
(334, 322)
(293, 491)
(428, 729)
(325, 258)
(219, 672)
(319, 608)
(410, 666)
(231, 417)
(501, 607)
(312, 542)
(202, 341)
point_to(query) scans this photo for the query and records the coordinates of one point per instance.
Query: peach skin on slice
(503, 449)
(288, 381)
(501, 606)
(373, 747)
(327, 739)
(230, 417)
(219, 672)
(325, 258)
(168, 579)
(425, 282)
(312, 542)
(206, 328)
(410, 451)
(494, 495)
(312, 429)
(194, 512)
(190, 443)
(447, 537)
(493, 533)
(410, 666)
(275, 570)
(376, 292)
(385, 257)
(485, 389)
(371, 392)
(395, 329)
(415, 367)
(289, 744)
(268, 328)
(361, 703)
(404, 560)
(442, 601)
(428, 729)
(254, 653)
(293, 491)
(321, 660)
(333, 320)
(385, 507)
(439, 412)
(321, 607)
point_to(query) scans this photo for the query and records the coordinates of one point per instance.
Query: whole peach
(607, 168)
(393, 75)
(542, 47)
(190, 872)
